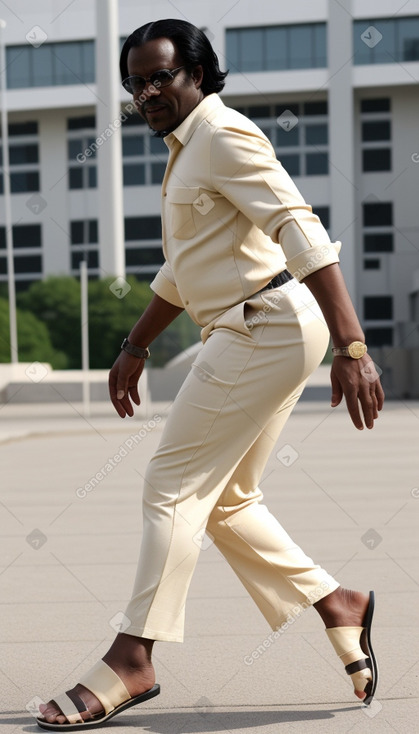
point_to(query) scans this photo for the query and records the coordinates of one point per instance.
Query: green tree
(56, 302)
(34, 343)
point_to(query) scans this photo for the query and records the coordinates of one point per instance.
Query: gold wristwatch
(356, 350)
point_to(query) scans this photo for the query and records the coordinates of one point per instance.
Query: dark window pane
(68, 64)
(77, 232)
(2, 238)
(28, 264)
(232, 49)
(320, 46)
(75, 178)
(381, 104)
(300, 47)
(372, 264)
(408, 39)
(93, 230)
(92, 146)
(157, 172)
(3, 266)
(316, 134)
(133, 145)
(74, 148)
(251, 49)
(374, 131)
(376, 159)
(143, 256)
(287, 138)
(143, 228)
(81, 123)
(379, 337)
(291, 164)
(292, 107)
(377, 215)
(18, 62)
(276, 48)
(43, 66)
(315, 108)
(27, 235)
(21, 182)
(317, 164)
(378, 307)
(23, 128)
(156, 145)
(134, 175)
(378, 242)
(323, 212)
(256, 111)
(92, 177)
(91, 257)
(385, 52)
(20, 154)
(129, 119)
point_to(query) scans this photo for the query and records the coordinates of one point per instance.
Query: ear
(198, 75)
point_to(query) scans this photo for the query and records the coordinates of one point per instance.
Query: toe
(360, 694)
(51, 713)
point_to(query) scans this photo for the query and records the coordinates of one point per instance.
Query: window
(373, 264)
(378, 215)
(84, 245)
(299, 133)
(379, 336)
(377, 219)
(386, 40)
(323, 213)
(144, 156)
(378, 308)
(375, 130)
(81, 147)
(143, 252)
(50, 64)
(23, 158)
(301, 46)
(27, 255)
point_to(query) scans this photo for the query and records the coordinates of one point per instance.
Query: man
(232, 219)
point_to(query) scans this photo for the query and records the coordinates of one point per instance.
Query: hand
(123, 381)
(358, 381)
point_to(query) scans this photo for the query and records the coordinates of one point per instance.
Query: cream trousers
(221, 430)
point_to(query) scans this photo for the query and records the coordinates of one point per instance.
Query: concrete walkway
(70, 508)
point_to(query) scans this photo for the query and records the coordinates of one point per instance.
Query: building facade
(333, 85)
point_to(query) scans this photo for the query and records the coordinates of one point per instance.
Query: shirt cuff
(313, 258)
(166, 290)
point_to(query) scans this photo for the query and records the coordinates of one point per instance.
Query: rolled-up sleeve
(164, 285)
(245, 170)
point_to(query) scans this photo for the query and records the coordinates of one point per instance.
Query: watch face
(357, 350)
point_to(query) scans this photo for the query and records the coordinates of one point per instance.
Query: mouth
(154, 109)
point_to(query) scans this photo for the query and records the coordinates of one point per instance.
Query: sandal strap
(106, 685)
(358, 665)
(345, 639)
(68, 708)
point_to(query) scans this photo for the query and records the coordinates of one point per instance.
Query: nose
(150, 90)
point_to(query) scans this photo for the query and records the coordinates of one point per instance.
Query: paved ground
(68, 556)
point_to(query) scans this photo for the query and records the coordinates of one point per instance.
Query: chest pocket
(182, 201)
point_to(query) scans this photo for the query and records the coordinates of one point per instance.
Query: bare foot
(130, 658)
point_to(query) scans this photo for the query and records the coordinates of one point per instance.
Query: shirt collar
(185, 130)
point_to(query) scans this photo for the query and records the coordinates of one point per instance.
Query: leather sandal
(107, 686)
(353, 645)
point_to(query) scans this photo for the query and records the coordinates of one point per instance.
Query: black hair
(192, 44)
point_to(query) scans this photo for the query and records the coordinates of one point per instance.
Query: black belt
(278, 280)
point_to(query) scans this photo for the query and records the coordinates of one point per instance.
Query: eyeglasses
(162, 78)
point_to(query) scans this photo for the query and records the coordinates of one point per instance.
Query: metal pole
(108, 125)
(85, 337)
(7, 201)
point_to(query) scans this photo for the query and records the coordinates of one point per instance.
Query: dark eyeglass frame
(126, 83)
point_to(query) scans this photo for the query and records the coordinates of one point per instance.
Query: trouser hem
(151, 634)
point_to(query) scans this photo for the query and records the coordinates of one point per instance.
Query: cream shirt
(232, 217)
